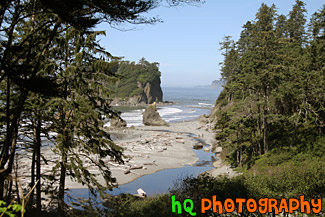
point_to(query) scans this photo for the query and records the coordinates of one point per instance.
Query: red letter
(240, 204)
(203, 207)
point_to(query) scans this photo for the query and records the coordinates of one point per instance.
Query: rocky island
(138, 84)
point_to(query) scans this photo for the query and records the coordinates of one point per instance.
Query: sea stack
(152, 118)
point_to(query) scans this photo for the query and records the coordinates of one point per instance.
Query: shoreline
(148, 149)
(154, 148)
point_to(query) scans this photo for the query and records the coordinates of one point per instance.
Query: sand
(155, 148)
(148, 149)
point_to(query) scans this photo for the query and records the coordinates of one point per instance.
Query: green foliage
(137, 92)
(274, 92)
(11, 210)
(53, 72)
(287, 175)
(286, 180)
(134, 77)
(128, 205)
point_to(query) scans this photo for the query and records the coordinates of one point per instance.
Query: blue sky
(186, 44)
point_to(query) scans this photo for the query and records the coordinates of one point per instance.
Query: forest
(273, 100)
(55, 89)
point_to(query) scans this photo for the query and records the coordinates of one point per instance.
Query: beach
(149, 149)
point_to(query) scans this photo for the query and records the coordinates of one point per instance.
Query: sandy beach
(147, 149)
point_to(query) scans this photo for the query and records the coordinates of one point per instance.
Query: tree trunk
(65, 145)
(10, 143)
(38, 144)
(265, 124)
(32, 178)
(259, 130)
(293, 137)
(265, 136)
(241, 156)
(61, 204)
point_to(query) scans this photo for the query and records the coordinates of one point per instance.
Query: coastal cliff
(217, 84)
(139, 83)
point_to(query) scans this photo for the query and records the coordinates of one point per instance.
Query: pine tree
(277, 81)
(316, 65)
(84, 78)
(29, 29)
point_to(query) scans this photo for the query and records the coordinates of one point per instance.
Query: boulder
(198, 146)
(152, 118)
(206, 149)
(204, 119)
(218, 150)
(118, 122)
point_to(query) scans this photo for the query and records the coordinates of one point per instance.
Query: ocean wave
(132, 118)
(190, 112)
(164, 111)
(135, 124)
(180, 118)
(205, 104)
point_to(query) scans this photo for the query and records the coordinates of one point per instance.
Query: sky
(186, 44)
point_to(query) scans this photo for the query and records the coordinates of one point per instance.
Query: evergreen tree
(276, 76)
(29, 29)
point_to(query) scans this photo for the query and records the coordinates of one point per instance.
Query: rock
(137, 87)
(218, 150)
(152, 118)
(153, 91)
(141, 193)
(118, 122)
(217, 84)
(204, 119)
(132, 127)
(217, 164)
(206, 149)
(198, 146)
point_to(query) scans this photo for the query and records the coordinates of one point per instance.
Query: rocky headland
(139, 84)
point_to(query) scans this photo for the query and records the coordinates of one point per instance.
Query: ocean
(188, 104)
